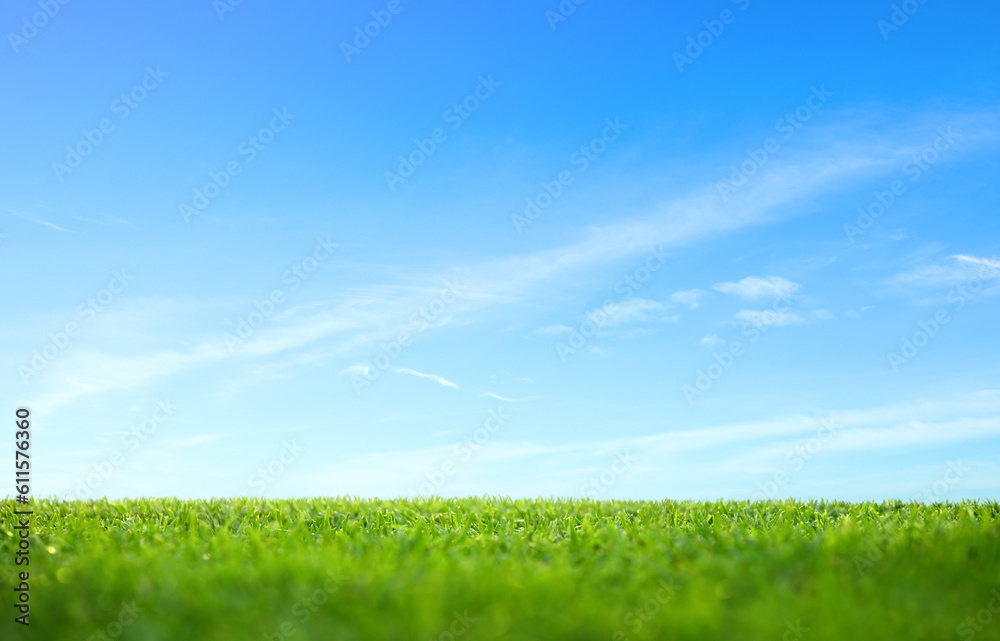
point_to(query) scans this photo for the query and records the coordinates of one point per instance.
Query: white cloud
(508, 400)
(856, 313)
(498, 397)
(711, 340)
(360, 369)
(769, 318)
(959, 269)
(992, 264)
(85, 372)
(822, 314)
(26, 215)
(693, 464)
(628, 311)
(552, 330)
(433, 377)
(688, 297)
(754, 287)
(612, 316)
(104, 220)
(361, 320)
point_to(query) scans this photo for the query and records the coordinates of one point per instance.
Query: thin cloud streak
(755, 448)
(502, 281)
(434, 377)
(508, 400)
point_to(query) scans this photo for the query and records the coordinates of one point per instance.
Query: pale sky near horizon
(632, 250)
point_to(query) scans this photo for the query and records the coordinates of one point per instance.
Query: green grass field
(505, 569)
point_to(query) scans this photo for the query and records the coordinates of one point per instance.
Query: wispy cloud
(955, 270)
(30, 217)
(87, 371)
(433, 377)
(359, 369)
(754, 287)
(360, 320)
(690, 298)
(508, 400)
(631, 310)
(752, 448)
(104, 220)
(614, 315)
(991, 263)
(711, 340)
(856, 313)
(554, 330)
(769, 318)
(821, 315)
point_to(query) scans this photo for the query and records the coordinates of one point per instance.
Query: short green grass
(496, 568)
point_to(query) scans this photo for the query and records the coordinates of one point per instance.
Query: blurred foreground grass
(469, 569)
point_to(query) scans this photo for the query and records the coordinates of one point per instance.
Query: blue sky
(738, 249)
